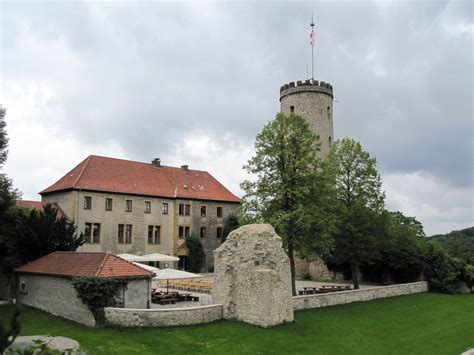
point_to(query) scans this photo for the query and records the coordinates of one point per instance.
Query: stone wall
(163, 317)
(137, 294)
(252, 277)
(314, 268)
(55, 295)
(364, 294)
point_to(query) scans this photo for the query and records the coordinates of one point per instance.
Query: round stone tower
(311, 100)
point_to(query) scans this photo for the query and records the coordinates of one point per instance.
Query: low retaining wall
(127, 317)
(364, 294)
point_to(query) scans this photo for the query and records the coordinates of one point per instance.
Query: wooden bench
(167, 301)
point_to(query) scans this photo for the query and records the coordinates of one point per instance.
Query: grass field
(424, 323)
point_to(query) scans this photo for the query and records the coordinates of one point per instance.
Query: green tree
(360, 202)
(3, 137)
(195, 253)
(286, 169)
(403, 247)
(231, 223)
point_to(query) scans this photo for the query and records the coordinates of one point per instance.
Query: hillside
(458, 243)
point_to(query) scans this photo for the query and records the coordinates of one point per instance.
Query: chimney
(156, 162)
(185, 167)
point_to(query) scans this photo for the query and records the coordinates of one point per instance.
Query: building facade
(139, 208)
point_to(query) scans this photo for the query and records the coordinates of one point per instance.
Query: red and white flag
(311, 37)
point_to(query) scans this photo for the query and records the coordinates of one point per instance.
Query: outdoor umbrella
(172, 274)
(131, 257)
(159, 257)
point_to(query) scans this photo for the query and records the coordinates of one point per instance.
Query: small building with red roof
(125, 206)
(46, 283)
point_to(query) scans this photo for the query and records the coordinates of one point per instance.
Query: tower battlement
(306, 85)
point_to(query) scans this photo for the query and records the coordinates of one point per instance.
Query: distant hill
(458, 243)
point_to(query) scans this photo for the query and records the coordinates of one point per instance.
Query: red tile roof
(130, 177)
(37, 205)
(72, 263)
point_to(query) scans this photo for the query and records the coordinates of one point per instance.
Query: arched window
(292, 109)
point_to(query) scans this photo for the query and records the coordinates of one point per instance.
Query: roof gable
(71, 263)
(124, 176)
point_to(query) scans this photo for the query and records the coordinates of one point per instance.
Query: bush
(7, 336)
(442, 271)
(196, 253)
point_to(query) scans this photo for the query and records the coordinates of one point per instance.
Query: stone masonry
(252, 277)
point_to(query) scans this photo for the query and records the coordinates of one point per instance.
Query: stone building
(311, 100)
(124, 206)
(46, 283)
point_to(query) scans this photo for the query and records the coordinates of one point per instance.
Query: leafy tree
(360, 202)
(3, 137)
(196, 253)
(442, 270)
(403, 247)
(459, 243)
(231, 223)
(286, 168)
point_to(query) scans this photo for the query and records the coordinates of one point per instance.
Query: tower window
(329, 112)
(329, 140)
(292, 109)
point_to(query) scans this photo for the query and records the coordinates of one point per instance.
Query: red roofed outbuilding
(46, 283)
(125, 206)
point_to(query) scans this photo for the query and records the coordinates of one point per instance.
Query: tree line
(336, 209)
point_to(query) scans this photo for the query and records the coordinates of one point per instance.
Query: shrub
(7, 336)
(196, 253)
(441, 270)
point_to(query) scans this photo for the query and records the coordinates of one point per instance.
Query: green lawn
(424, 323)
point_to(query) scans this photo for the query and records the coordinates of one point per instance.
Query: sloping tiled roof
(37, 205)
(72, 263)
(103, 174)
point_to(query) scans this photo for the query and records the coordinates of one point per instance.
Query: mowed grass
(426, 323)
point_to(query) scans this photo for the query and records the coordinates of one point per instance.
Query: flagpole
(312, 48)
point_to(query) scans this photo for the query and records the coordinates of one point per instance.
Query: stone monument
(252, 277)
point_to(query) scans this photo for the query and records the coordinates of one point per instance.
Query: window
(87, 202)
(203, 211)
(147, 206)
(124, 234)
(292, 109)
(203, 232)
(120, 233)
(219, 233)
(128, 234)
(154, 234)
(329, 112)
(23, 287)
(183, 232)
(219, 212)
(329, 140)
(184, 209)
(128, 205)
(108, 204)
(92, 233)
(164, 208)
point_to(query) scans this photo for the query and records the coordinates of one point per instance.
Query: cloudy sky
(194, 82)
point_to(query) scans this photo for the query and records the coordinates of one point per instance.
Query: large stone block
(252, 277)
